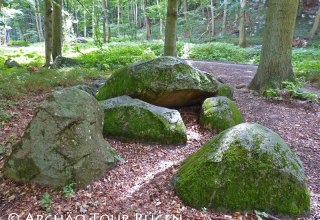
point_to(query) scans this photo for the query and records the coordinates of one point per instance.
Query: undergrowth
(16, 82)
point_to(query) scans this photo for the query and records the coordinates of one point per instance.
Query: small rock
(11, 63)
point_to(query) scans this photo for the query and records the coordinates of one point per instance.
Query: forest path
(143, 184)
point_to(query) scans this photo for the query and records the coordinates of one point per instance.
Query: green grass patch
(17, 82)
(116, 55)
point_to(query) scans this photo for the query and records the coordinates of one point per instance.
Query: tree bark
(315, 25)
(242, 24)
(224, 22)
(147, 23)
(275, 62)
(48, 31)
(84, 24)
(105, 22)
(213, 23)
(57, 29)
(171, 28)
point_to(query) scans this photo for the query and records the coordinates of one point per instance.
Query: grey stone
(165, 81)
(63, 143)
(133, 119)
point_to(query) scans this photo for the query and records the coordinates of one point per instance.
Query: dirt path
(142, 184)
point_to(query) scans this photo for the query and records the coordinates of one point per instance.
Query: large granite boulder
(133, 119)
(247, 167)
(63, 143)
(165, 81)
(219, 113)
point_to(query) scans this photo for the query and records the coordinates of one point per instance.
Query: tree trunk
(40, 20)
(57, 29)
(315, 25)
(171, 28)
(84, 24)
(212, 18)
(147, 23)
(275, 62)
(105, 22)
(160, 20)
(242, 24)
(224, 24)
(48, 31)
(118, 16)
(93, 21)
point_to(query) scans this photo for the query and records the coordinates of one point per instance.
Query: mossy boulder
(63, 143)
(219, 113)
(133, 119)
(247, 167)
(165, 81)
(61, 62)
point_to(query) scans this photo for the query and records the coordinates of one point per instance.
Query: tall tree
(57, 29)
(315, 25)
(48, 31)
(275, 62)
(242, 24)
(171, 28)
(105, 22)
(212, 9)
(225, 10)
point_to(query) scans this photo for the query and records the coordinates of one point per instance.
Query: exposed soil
(143, 183)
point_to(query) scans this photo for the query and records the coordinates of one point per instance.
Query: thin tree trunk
(118, 16)
(146, 21)
(242, 24)
(224, 24)
(40, 20)
(275, 62)
(315, 25)
(105, 19)
(212, 18)
(160, 20)
(84, 24)
(93, 21)
(57, 29)
(171, 28)
(48, 31)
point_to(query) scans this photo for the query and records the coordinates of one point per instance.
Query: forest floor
(142, 185)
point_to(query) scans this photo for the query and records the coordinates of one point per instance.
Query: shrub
(117, 55)
(220, 52)
(21, 43)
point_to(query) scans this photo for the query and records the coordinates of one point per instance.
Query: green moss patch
(219, 113)
(162, 81)
(133, 119)
(247, 167)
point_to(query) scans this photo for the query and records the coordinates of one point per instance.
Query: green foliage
(68, 190)
(220, 52)
(306, 64)
(298, 93)
(294, 89)
(20, 43)
(46, 202)
(273, 93)
(17, 82)
(117, 55)
(4, 115)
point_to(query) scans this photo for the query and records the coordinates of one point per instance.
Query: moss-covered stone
(133, 119)
(219, 113)
(225, 90)
(165, 81)
(247, 167)
(63, 143)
